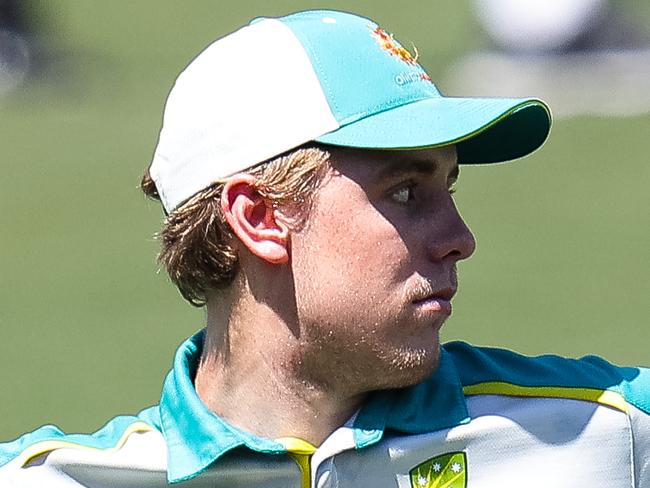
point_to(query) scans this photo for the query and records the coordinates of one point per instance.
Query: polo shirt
(485, 418)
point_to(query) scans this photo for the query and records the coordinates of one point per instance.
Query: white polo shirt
(485, 418)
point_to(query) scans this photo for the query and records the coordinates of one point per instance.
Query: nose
(451, 238)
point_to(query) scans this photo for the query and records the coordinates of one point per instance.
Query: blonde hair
(196, 240)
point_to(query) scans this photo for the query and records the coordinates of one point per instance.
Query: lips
(435, 305)
(436, 301)
(441, 293)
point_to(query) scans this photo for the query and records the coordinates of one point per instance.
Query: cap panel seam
(380, 108)
(321, 73)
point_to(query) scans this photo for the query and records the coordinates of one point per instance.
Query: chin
(411, 367)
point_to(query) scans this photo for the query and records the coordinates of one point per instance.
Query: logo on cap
(388, 43)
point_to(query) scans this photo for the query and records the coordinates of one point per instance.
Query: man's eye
(403, 195)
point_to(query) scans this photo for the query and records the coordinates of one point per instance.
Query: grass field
(87, 324)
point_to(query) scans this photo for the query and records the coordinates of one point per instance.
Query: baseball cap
(325, 76)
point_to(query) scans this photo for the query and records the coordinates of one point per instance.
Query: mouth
(438, 301)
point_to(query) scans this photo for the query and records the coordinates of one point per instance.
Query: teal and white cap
(325, 76)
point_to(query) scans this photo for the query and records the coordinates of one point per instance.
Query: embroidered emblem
(388, 43)
(444, 471)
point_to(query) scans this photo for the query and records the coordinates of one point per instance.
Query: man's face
(375, 267)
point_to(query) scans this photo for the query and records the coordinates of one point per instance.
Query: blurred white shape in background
(538, 25)
(14, 60)
(581, 56)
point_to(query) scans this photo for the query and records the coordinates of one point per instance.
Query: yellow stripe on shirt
(46, 446)
(603, 397)
(300, 450)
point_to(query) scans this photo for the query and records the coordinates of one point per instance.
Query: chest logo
(444, 471)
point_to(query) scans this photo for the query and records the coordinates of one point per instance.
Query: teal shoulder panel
(637, 390)
(106, 437)
(485, 364)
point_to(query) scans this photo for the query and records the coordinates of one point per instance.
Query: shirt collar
(196, 437)
(434, 404)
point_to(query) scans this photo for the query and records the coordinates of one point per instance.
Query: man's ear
(253, 221)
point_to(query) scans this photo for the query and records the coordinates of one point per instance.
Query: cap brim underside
(485, 130)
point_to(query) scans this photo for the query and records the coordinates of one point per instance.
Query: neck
(250, 375)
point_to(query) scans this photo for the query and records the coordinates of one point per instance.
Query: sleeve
(636, 390)
(640, 422)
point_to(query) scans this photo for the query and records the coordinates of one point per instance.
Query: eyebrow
(394, 169)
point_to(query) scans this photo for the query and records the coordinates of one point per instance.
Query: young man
(306, 166)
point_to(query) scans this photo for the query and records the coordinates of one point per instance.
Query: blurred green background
(88, 325)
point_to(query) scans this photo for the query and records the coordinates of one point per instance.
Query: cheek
(349, 269)
(355, 244)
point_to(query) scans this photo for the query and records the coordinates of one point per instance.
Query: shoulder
(486, 370)
(111, 437)
(491, 371)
